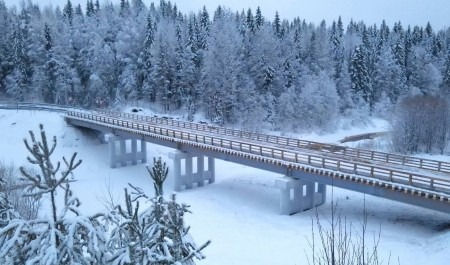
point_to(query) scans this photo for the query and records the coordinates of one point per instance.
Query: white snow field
(239, 212)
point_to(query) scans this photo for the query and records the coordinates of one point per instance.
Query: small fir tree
(66, 237)
(156, 235)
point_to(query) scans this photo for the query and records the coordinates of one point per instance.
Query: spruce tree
(359, 75)
(68, 12)
(154, 236)
(277, 25)
(17, 82)
(258, 18)
(90, 8)
(48, 84)
(145, 62)
(66, 237)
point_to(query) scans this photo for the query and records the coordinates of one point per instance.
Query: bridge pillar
(298, 195)
(190, 176)
(118, 153)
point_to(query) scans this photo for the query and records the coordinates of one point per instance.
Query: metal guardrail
(317, 161)
(427, 164)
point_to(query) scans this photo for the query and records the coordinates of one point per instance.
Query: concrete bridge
(308, 167)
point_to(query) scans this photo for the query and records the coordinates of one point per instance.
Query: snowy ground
(239, 212)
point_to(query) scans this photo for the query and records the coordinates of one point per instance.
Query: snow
(239, 212)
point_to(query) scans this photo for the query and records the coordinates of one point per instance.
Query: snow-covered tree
(420, 124)
(156, 235)
(7, 211)
(17, 82)
(318, 102)
(359, 75)
(388, 76)
(65, 236)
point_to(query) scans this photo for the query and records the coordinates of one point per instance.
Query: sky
(409, 12)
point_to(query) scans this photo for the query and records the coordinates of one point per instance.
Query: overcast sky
(412, 12)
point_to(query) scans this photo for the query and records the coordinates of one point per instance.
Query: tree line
(237, 68)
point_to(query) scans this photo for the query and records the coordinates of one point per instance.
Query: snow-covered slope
(239, 212)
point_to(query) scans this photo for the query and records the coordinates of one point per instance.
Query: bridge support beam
(195, 172)
(118, 152)
(298, 195)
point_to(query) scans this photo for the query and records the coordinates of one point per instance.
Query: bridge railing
(397, 159)
(316, 161)
(37, 106)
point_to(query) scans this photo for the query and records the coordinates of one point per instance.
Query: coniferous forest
(235, 68)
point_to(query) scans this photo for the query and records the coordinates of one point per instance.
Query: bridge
(308, 167)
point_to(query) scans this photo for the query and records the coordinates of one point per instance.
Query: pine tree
(204, 29)
(5, 47)
(162, 74)
(156, 235)
(277, 25)
(359, 75)
(90, 10)
(48, 82)
(388, 77)
(185, 76)
(258, 18)
(97, 6)
(68, 12)
(66, 237)
(146, 61)
(17, 82)
(124, 8)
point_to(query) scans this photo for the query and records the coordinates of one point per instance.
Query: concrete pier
(119, 154)
(195, 171)
(298, 195)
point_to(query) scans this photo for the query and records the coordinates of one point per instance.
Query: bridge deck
(287, 156)
(366, 155)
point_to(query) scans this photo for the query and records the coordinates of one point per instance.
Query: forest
(235, 68)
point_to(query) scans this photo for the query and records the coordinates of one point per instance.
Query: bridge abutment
(197, 170)
(298, 195)
(118, 153)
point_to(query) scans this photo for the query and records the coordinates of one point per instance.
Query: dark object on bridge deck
(136, 110)
(363, 136)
